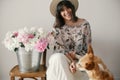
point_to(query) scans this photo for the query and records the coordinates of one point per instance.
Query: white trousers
(58, 69)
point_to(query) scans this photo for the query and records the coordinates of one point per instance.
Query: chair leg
(43, 78)
(12, 78)
(20, 78)
(35, 78)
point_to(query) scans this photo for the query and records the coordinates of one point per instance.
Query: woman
(72, 35)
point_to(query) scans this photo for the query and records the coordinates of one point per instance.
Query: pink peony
(41, 45)
(23, 38)
(15, 34)
(30, 36)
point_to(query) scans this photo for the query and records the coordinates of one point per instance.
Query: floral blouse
(72, 38)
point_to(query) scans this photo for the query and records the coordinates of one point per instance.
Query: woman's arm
(71, 57)
(86, 32)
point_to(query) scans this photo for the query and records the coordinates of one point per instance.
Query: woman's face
(66, 13)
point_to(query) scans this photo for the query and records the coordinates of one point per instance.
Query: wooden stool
(14, 72)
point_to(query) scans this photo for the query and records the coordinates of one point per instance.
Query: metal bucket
(28, 61)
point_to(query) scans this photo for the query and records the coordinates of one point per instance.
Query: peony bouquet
(29, 39)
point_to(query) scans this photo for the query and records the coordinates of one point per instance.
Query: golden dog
(94, 66)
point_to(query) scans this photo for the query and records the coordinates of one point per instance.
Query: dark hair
(59, 19)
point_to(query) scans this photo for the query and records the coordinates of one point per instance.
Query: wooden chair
(14, 72)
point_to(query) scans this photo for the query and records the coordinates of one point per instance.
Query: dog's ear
(90, 50)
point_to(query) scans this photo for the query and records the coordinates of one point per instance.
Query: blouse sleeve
(86, 31)
(58, 42)
(81, 48)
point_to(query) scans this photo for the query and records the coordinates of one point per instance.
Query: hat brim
(54, 3)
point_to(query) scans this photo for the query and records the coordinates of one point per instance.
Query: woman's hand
(72, 54)
(73, 67)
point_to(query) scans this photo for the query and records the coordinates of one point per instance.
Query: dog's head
(87, 61)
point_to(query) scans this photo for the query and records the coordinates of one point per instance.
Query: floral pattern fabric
(72, 38)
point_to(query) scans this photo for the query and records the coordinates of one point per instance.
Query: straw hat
(54, 3)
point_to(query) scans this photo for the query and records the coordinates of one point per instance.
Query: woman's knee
(57, 57)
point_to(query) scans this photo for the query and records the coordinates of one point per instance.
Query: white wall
(103, 15)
